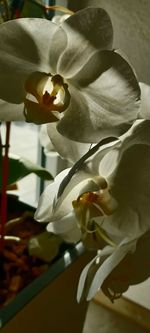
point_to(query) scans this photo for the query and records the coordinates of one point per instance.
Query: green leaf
(19, 167)
(44, 246)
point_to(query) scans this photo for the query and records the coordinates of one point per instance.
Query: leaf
(20, 167)
(44, 246)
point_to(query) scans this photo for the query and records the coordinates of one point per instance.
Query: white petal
(106, 251)
(107, 103)
(26, 46)
(79, 121)
(137, 134)
(125, 221)
(108, 163)
(11, 112)
(145, 100)
(45, 204)
(87, 30)
(130, 184)
(112, 90)
(58, 19)
(76, 124)
(81, 182)
(66, 228)
(104, 161)
(140, 260)
(109, 264)
(66, 148)
(50, 208)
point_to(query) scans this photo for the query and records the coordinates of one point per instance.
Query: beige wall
(131, 22)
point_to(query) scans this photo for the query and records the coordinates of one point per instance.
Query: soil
(17, 267)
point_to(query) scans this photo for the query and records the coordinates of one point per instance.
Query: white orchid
(69, 74)
(133, 269)
(107, 201)
(52, 140)
(71, 150)
(58, 19)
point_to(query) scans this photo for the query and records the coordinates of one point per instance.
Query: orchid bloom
(106, 204)
(69, 74)
(133, 269)
(69, 150)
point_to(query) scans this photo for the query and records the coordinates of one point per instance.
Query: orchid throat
(90, 205)
(47, 96)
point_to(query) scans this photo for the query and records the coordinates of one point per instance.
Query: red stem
(5, 169)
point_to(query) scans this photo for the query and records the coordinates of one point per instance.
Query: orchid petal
(109, 264)
(66, 228)
(76, 124)
(11, 112)
(138, 134)
(133, 269)
(83, 277)
(80, 183)
(25, 48)
(124, 221)
(131, 185)
(108, 102)
(58, 19)
(87, 30)
(79, 124)
(105, 161)
(140, 260)
(82, 280)
(68, 149)
(145, 101)
(45, 204)
(117, 92)
(39, 113)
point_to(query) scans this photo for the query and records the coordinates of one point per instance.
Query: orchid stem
(53, 8)
(5, 163)
(60, 8)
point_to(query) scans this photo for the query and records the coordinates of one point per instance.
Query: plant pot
(48, 304)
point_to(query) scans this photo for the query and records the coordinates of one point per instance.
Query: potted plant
(32, 260)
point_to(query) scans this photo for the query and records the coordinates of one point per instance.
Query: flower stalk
(60, 9)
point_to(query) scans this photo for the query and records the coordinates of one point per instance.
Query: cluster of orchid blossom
(67, 75)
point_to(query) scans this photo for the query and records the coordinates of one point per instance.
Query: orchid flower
(106, 204)
(69, 150)
(133, 269)
(69, 74)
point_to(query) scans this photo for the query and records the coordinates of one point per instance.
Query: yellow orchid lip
(47, 96)
(88, 206)
(97, 203)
